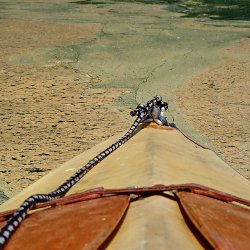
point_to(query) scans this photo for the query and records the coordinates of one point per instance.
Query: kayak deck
(152, 156)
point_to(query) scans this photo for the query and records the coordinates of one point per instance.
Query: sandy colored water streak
(217, 103)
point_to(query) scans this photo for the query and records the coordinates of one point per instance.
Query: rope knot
(152, 111)
(140, 111)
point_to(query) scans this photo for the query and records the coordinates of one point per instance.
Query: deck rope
(142, 112)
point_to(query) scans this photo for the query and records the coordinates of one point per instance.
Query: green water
(3, 196)
(213, 9)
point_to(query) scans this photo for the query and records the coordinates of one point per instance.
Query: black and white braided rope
(15, 220)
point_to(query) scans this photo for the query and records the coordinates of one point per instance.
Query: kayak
(155, 156)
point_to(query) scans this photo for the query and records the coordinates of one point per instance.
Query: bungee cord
(152, 111)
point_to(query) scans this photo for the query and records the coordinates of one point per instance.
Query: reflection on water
(214, 9)
(219, 9)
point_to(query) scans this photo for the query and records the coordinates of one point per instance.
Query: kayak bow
(154, 155)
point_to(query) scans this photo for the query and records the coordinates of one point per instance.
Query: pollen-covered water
(72, 71)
